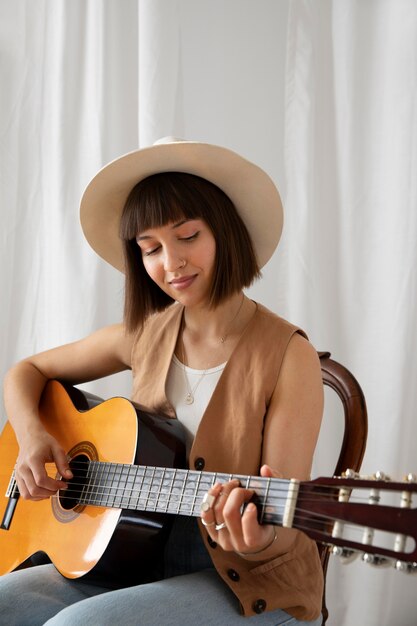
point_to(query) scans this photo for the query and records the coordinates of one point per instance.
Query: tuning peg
(377, 561)
(403, 566)
(381, 476)
(410, 478)
(345, 554)
(350, 473)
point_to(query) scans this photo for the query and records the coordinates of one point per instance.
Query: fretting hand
(222, 516)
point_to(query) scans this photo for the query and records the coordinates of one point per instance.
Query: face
(164, 250)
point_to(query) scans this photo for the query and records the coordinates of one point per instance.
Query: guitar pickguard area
(67, 507)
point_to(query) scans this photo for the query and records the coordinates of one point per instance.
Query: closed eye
(150, 252)
(191, 237)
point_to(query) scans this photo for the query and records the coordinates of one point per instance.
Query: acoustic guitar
(130, 480)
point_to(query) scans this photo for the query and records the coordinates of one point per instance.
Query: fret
(205, 482)
(106, 481)
(82, 498)
(111, 497)
(195, 494)
(170, 490)
(188, 477)
(192, 480)
(100, 485)
(126, 486)
(150, 502)
(133, 502)
(94, 482)
(88, 487)
(131, 483)
(264, 501)
(139, 504)
(113, 485)
(159, 491)
(181, 495)
(121, 485)
(165, 490)
(146, 500)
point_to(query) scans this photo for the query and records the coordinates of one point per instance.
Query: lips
(183, 282)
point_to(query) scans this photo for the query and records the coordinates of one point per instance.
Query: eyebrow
(177, 225)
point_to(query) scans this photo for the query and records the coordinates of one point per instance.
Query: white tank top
(201, 383)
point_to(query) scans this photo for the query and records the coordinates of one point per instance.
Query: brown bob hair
(170, 197)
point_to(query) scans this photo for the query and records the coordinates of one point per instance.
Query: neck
(215, 324)
(209, 336)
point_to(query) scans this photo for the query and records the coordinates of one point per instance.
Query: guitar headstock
(368, 515)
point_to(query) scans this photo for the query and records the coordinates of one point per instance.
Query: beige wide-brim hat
(251, 190)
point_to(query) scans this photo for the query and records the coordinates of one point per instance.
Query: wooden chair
(338, 378)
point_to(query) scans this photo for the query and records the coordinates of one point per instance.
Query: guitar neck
(322, 508)
(177, 491)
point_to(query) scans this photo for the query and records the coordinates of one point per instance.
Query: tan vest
(229, 439)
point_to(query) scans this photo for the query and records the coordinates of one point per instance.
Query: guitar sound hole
(69, 498)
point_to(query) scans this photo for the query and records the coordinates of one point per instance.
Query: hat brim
(251, 190)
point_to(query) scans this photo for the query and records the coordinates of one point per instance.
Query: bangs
(171, 197)
(156, 201)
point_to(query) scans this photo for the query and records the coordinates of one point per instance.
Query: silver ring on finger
(207, 523)
(220, 526)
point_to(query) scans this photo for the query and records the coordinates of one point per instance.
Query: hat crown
(250, 189)
(168, 139)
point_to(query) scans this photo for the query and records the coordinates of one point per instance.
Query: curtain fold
(323, 95)
(351, 86)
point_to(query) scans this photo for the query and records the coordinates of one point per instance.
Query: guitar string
(340, 481)
(311, 525)
(305, 523)
(154, 496)
(97, 490)
(98, 483)
(325, 491)
(342, 540)
(159, 493)
(331, 489)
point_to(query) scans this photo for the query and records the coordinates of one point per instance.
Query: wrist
(27, 431)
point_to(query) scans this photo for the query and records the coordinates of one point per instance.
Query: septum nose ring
(183, 263)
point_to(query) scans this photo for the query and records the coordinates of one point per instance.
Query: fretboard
(176, 491)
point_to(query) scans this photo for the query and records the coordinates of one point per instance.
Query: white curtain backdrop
(323, 95)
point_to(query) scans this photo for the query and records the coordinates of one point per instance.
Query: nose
(173, 261)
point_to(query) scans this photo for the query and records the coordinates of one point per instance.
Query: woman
(191, 225)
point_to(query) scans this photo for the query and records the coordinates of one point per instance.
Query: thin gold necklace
(190, 395)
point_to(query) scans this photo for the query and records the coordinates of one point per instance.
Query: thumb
(61, 462)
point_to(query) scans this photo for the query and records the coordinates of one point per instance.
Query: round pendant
(189, 398)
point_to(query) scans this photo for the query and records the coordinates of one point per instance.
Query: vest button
(233, 575)
(211, 542)
(199, 463)
(259, 606)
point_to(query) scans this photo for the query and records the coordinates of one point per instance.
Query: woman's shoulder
(267, 320)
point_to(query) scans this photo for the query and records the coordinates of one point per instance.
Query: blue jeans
(190, 595)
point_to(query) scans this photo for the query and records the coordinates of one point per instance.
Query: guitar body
(110, 546)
